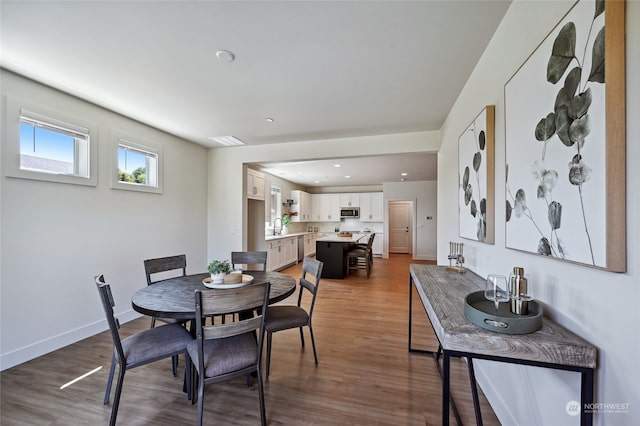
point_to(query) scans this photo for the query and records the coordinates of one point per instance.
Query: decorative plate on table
(246, 279)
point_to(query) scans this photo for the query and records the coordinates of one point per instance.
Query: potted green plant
(218, 269)
(286, 221)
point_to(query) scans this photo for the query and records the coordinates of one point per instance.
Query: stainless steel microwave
(351, 212)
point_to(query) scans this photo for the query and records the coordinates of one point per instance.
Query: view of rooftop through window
(46, 149)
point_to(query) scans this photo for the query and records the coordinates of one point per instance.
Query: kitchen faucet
(274, 226)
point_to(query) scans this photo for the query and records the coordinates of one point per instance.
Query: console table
(442, 294)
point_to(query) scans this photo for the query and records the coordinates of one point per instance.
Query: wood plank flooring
(365, 376)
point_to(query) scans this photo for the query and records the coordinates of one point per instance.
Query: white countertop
(292, 234)
(334, 238)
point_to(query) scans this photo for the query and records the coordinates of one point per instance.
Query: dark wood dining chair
(139, 349)
(162, 265)
(285, 317)
(226, 351)
(248, 258)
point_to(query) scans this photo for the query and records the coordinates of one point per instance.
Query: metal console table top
(442, 294)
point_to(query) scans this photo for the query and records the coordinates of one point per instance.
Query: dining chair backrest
(310, 280)
(249, 258)
(108, 304)
(164, 264)
(224, 301)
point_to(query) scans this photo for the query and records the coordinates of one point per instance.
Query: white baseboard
(34, 350)
(424, 257)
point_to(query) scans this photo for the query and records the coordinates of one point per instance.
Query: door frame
(413, 202)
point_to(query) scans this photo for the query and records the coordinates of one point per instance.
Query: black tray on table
(482, 312)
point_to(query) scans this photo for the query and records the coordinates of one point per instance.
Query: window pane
(46, 150)
(137, 167)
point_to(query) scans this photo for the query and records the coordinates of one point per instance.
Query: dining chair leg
(174, 365)
(153, 322)
(116, 397)
(187, 376)
(263, 415)
(194, 383)
(301, 337)
(110, 379)
(268, 352)
(313, 344)
(200, 402)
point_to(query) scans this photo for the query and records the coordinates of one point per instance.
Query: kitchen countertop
(292, 234)
(334, 238)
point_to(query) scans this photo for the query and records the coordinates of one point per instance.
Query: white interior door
(399, 227)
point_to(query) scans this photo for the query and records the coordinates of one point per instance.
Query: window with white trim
(51, 146)
(137, 167)
(44, 144)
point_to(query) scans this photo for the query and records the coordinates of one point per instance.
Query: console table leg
(445, 388)
(474, 392)
(586, 397)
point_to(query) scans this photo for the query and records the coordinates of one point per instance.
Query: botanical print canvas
(475, 168)
(556, 143)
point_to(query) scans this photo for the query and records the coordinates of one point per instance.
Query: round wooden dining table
(174, 298)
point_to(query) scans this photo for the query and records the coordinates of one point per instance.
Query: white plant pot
(218, 278)
(284, 230)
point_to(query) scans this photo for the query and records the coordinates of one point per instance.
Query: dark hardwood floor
(365, 376)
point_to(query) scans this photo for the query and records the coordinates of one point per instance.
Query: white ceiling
(320, 69)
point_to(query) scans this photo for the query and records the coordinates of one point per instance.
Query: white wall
(56, 237)
(228, 230)
(424, 196)
(597, 305)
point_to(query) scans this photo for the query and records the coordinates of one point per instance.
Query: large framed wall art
(476, 189)
(565, 142)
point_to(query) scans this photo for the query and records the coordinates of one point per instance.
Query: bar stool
(361, 257)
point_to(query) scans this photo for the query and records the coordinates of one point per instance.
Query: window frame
(15, 109)
(120, 139)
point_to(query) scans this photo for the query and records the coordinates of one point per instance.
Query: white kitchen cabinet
(281, 252)
(349, 200)
(316, 207)
(310, 244)
(272, 254)
(301, 205)
(291, 251)
(371, 207)
(376, 248)
(255, 185)
(325, 207)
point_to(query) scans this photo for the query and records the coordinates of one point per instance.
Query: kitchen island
(332, 250)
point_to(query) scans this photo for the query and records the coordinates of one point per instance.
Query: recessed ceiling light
(348, 177)
(225, 56)
(226, 140)
(337, 165)
(269, 120)
(316, 181)
(403, 174)
(300, 173)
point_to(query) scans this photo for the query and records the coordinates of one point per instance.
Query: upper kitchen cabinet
(301, 206)
(255, 185)
(371, 207)
(349, 200)
(325, 207)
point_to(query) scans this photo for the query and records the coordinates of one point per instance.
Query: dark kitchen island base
(334, 256)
